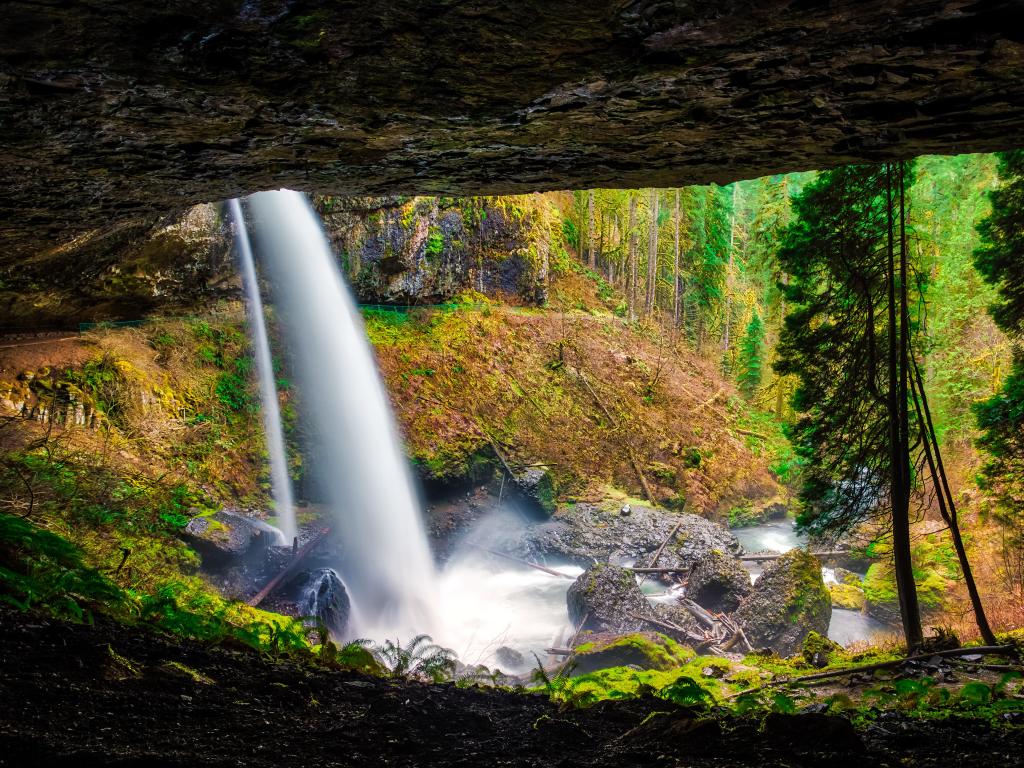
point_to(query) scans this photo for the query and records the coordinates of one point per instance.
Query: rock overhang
(111, 116)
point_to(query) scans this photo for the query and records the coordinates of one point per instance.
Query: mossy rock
(818, 649)
(789, 600)
(604, 598)
(847, 596)
(645, 650)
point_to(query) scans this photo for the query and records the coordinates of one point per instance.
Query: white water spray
(386, 564)
(281, 484)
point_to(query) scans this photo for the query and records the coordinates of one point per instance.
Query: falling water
(280, 482)
(386, 564)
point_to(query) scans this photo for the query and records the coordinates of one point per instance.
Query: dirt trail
(106, 696)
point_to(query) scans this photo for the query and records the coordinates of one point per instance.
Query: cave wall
(113, 114)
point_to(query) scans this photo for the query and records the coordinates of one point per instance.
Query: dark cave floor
(108, 695)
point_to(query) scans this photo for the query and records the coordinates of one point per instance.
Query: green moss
(847, 596)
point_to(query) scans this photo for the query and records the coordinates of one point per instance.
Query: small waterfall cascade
(281, 485)
(386, 564)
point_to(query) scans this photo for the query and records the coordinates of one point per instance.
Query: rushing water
(385, 564)
(281, 484)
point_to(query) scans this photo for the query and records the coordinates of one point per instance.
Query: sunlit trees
(1001, 418)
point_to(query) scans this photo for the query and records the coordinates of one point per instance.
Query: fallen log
(521, 561)
(657, 555)
(777, 555)
(668, 625)
(289, 569)
(703, 616)
(659, 570)
(1003, 650)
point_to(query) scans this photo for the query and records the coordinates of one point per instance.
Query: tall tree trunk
(728, 272)
(652, 256)
(675, 263)
(947, 507)
(600, 242)
(632, 272)
(591, 254)
(899, 428)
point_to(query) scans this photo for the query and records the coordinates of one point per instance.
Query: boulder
(643, 650)
(718, 582)
(509, 658)
(847, 596)
(603, 597)
(224, 536)
(537, 487)
(586, 532)
(788, 601)
(325, 600)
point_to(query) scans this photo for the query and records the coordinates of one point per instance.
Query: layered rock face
(425, 250)
(111, 117)
(123, 272)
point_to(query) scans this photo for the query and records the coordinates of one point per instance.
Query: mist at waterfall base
(385, 564)
(280, 482)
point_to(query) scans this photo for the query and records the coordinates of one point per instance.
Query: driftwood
(657, 555)
(289, 569)
(659, 570)
(521, 561)
(675, 628)
(1005, 650)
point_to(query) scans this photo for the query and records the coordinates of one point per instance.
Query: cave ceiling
(113, 112)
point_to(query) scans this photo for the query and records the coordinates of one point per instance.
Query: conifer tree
(752, 357)
(847, 339)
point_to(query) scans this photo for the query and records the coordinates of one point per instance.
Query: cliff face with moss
(419, 250)
(424, 250)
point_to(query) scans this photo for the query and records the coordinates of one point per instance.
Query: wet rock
(788, 601)
(224, 536)
(718, 582)
(587, 532)
(603, 598)
(510, 657)
(641, 650)
(537, 487)
(325, 600)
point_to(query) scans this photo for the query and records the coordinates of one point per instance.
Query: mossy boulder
(537, 487)
(605, 598)
(788, 601)
(718, 582)
(644, 650)
(847, 596)
(817, 649)
(224, 536)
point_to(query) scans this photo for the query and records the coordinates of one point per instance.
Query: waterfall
(281, 485)
(385, 564)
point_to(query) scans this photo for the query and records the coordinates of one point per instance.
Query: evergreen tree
(752, 357)
(847, 339)
(1000, 260)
